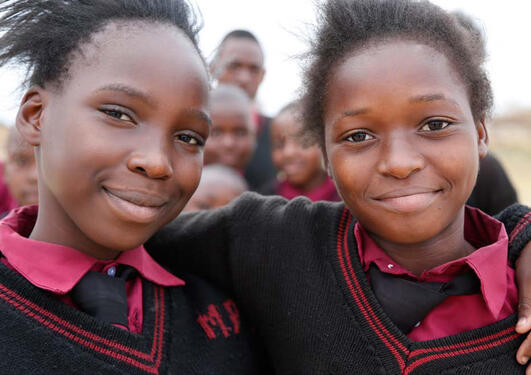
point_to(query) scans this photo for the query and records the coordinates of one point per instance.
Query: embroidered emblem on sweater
(147, 362)
(213, 321)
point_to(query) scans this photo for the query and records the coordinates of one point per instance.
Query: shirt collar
(58, 268)
(489, 261)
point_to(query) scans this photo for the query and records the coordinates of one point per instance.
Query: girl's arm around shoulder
(517, 221)
(202, 242)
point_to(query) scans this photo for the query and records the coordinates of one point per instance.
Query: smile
(408, 200)
(133, 205)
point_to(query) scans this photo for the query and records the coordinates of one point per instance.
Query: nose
(151, 159)
(228, 140)
(399, 157)
(243, 76)
(290, 149)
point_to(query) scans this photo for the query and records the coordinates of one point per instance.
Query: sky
(284, 26)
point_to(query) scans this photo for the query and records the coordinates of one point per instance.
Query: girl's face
(302, 166)
(401, 141)
(120, 143)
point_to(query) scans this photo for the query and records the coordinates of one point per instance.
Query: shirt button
(111, 271)
(417, 324)
(390, 266)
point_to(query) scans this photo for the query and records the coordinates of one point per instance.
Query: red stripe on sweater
(434, 357)
(418, 352)
(81, 331)
(520, 225)
(362, 308)
(41, 315)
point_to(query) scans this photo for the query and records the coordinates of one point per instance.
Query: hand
(523, 279)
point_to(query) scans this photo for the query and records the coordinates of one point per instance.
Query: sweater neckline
(396, 350)
(143, 352)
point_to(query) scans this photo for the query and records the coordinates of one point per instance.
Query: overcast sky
(282, 26)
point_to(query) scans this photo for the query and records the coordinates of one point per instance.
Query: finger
(524, 352)
(524, 314)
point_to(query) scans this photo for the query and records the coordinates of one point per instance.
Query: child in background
(397, 100)
(301, 166)
(218, 187)
(20, 171)
(116, 111)
(232, 138)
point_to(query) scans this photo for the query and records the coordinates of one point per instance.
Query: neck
(446, 246)
(59, 229)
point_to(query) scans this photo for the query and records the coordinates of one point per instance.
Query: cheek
(187, 172)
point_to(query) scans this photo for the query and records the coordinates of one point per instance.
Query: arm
(517, 221)
(195, 243)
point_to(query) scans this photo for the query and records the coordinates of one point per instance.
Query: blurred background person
(219, 185)
(232, 138)
(239, 61)
(19, 173)
(301, 168)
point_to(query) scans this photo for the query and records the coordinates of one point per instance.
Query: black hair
(345, 26)
(240, 33)
(44, 35)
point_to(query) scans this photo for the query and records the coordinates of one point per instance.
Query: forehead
(230, 106)
(286, 123)
(242, 50)
(394, 72)
(156, 58)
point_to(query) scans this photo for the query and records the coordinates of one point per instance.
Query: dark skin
(301, 165)
(20, 173)
(232, 138)
(119, 145)
(240, 62)
(403, 148)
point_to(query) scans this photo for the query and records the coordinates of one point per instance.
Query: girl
(116, 112)
(300, 166)
(396, 97)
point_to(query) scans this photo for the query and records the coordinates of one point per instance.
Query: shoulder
(274, 210)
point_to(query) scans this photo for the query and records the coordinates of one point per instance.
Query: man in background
(239, 61)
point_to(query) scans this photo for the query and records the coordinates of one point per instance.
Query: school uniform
(326, 191)
(174, 325)
(295, 270)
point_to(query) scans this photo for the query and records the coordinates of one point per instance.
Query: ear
(483, 138)
(29, 115)
(262, 75)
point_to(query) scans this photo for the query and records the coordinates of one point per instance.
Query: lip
(408, 200)
(135, 205)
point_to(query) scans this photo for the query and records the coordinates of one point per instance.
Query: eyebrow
(433, 98)
(350, 113)
(128, 90)
(203, 116)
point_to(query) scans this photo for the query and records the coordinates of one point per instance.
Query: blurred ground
(510, 141)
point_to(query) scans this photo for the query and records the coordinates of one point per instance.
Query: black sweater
(193, 329)
(294, 270)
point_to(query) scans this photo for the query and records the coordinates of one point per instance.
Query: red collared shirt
(58, 269)
(499, 295)
(324, 192)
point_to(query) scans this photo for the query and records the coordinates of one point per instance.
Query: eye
(190, 139)
(435, 125)
(359, 136)
(117, 114)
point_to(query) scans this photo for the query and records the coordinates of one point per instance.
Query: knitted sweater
(294, 270)
(192, 329)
